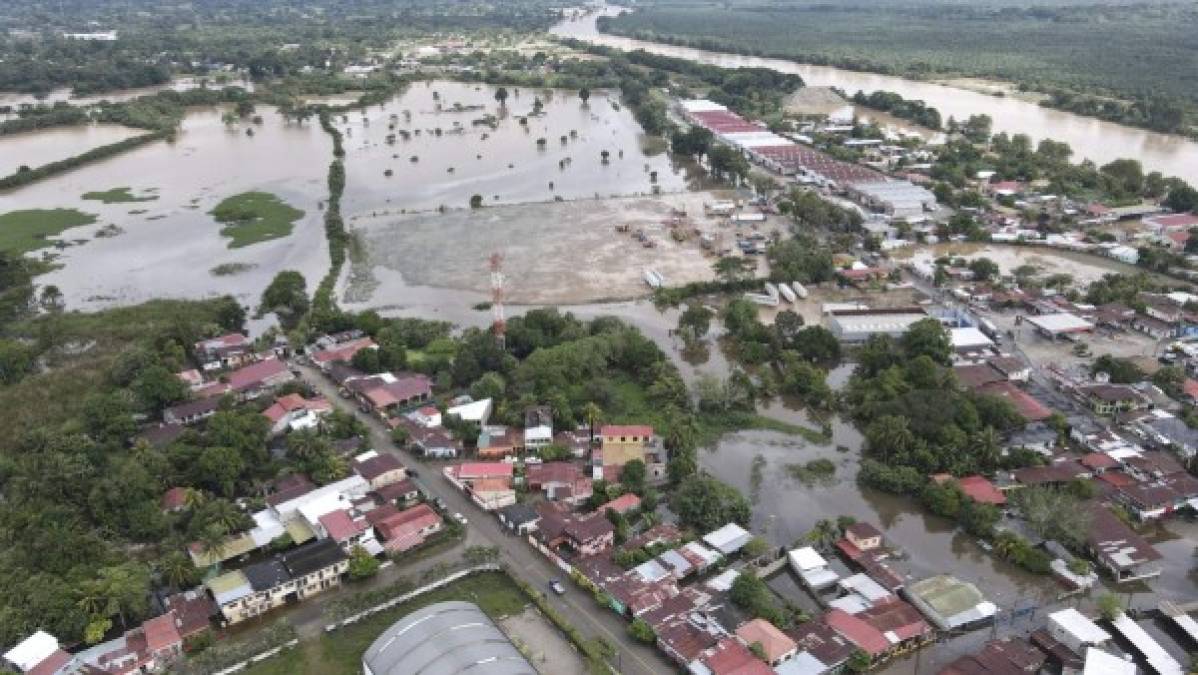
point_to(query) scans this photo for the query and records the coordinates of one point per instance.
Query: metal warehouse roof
(445, 639)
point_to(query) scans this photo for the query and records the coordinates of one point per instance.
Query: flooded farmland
(36, 148)
(452, 140)
(168, 246)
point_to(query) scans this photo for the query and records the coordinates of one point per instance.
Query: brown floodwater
(14, 99)
(167, 247)
(785, 508)
(1090, 138)
(504, 164)
(35, 148)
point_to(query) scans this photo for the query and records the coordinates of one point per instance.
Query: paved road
(523, 561)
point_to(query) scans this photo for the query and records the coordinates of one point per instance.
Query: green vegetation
(229, 269)
(254, 217)
(1129, 64)
(43, 117)
(23, 231)
(340, 653)
(26, 175)
(119, 195)
(813, 471)
(70, 472)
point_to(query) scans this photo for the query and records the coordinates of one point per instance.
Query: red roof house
(867, 638)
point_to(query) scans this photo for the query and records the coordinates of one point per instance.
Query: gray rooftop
(444, 639)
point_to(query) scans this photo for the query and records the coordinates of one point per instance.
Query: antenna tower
(499, 325)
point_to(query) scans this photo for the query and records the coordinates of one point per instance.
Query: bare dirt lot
(547, 649)
(553, 253)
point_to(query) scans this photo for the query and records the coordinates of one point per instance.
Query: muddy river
(168, 247)
(1090, 138)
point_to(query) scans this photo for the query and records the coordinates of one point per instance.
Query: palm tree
(501, 96)
(584, 94)
(593, 414)
(223, 513)
(212, 542)
(194, 499)
(177, 569)
(824, 534)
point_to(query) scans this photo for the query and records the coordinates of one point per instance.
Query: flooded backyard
(169, 245)
(452, 140)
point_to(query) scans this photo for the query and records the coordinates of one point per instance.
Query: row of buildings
(873, 190)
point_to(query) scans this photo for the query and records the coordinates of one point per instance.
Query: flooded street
(1090, 138)
(169, 246)
(461, 142)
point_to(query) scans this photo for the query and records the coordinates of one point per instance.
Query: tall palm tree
(194, 499)
(212, 542)
(225, 514)
(593, 414)
(177, 569)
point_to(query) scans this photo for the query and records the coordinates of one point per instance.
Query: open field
(24, 231)
(554, 253)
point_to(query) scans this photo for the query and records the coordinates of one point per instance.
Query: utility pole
(499, 324)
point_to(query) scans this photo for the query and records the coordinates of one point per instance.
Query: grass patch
(118, 195)
(340, 653)
(229, 269)
(24, 231)
(814, 471)
(254, 217)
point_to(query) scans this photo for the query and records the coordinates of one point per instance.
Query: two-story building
(293, 576)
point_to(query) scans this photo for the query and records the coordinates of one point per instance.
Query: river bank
(1090, 138)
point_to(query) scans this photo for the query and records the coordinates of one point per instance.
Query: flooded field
(460, 142)
(1084, 267)
(168, 247)
(14, 99)
(554, 253)
(35, 148)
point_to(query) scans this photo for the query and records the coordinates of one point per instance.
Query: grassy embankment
(29, 230)
(255, 217)
(340, 653)
(118, 195)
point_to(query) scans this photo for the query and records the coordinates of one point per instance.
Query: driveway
(523, 562)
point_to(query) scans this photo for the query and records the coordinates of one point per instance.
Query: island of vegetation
(254, 217)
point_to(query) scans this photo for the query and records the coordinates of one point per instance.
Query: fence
(258, 657)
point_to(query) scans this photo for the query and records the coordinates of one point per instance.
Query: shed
(728, 539)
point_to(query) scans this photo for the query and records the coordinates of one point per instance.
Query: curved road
(578, 606)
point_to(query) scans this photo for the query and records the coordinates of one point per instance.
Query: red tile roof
(255, 374)
(866, 637)
(1027, 406)
(161, 632)
(342, 352)
(730, 657)
(551, 472)
(1117, 478)
(1099, 460)
(174, 498)
(981, 490)
(774, 642)
(622, 504)
(904, 620)
(403, 529)
(341, 526)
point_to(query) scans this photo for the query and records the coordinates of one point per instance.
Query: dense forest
(1079, 54)
(267, 38)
